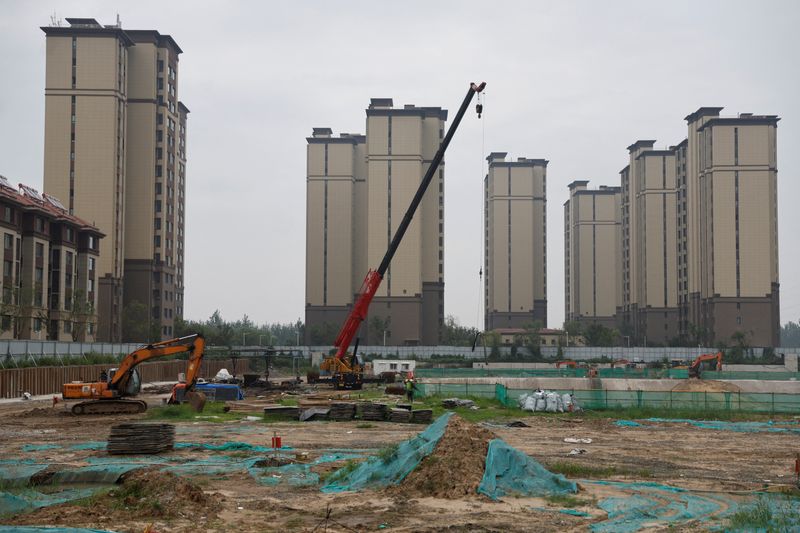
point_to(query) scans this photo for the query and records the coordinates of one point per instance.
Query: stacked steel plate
(422, 416)
(373, 411)
(342, 411)
(400, 415)
(140, 438)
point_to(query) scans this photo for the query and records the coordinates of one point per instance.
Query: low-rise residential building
(49, 283)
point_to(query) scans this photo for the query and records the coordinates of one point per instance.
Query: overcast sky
(572, 82)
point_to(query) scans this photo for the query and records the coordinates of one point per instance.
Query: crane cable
(482, 241)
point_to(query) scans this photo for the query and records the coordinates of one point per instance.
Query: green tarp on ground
(509, 471)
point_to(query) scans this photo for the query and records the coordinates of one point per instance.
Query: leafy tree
(135, 322)
(376, 327)
(790, 334)
(493, 340)
(573, 329)
(531, 339)
(323, 334)
(454, 334)
(599, 335)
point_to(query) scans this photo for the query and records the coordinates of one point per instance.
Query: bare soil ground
(676, 454)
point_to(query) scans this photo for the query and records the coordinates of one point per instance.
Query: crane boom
(374, 278)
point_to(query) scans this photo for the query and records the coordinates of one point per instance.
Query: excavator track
(109, 407)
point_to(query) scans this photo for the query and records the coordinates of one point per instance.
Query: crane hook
(479, 106)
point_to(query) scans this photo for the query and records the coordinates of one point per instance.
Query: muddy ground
(676, 454)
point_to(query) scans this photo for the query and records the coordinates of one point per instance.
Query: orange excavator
(697, 365)
(110, 395)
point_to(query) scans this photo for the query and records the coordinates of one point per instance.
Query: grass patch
(289, 402)
(579, 470)
(489, 408)
(387, 454)
(186, 413)
(365, 425)
(341, 473)
(692, 414)
(775, 514)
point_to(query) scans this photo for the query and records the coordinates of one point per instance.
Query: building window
(67, 326)
(157, 241)
(8, 241)
(38, 224)
(8, 214)
(91, 263)
(158, 206)
(37, 324)
(161, 65)
(158, 185)
(39, 250)
(157, 223)
(7, 269)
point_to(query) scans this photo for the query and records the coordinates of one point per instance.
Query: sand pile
(455, 467)
(705, 385)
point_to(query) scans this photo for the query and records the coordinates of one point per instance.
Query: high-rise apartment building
(729, 227)
(515, 242)
(592, 254)
(335, 225)
(115, 148)
(359, 188)
(656, 250)
(699, 234)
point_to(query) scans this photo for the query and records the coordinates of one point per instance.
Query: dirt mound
(704, 385)
(40, 412)
(455, 467)
(160, 494)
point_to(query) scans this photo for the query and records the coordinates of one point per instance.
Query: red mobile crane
(346, 369)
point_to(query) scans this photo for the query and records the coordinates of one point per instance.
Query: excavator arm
(694, 369)
(193, 344)
(110, 396)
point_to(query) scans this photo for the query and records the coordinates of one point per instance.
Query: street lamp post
(297, 337)
(384, 337)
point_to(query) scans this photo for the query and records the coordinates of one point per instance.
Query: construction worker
(410, 386)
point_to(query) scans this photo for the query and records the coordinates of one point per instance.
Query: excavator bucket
(197, 400)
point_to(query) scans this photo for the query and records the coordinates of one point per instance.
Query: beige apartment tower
(358, 189)
(335, 226)
(728, 228)
(592, 254)
(699, 234)
(515, 242)
(115, 149)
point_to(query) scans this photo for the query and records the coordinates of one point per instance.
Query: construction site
(481, 453)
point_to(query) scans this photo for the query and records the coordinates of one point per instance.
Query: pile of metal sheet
(400, 415)
(373, 411)
(422, 416)
(140, 438)
(342, 411)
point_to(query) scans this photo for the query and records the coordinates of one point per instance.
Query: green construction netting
(646, 504)
(47, 529)
(17, 473)
(721, 425)
(229, 446)
(626, 373)
(39, 447)
(614, 399)
(508, 471)
(392, 469)
(28, 499)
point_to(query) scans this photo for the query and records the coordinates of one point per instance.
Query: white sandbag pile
(548, 401)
